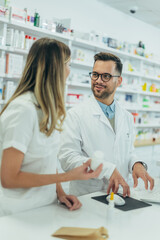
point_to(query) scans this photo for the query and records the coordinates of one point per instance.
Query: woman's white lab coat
(19, 128)
(86, 130)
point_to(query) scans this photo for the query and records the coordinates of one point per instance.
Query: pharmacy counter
(39, 224)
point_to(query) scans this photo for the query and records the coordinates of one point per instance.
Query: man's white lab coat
(87, 129)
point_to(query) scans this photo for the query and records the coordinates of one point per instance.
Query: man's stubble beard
(104, 94)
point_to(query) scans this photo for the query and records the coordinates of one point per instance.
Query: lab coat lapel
(119, 119)
(119, 124)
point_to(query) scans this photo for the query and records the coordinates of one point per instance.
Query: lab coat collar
(97, 112)
(109, 110)
(119, 114)
(96, 109)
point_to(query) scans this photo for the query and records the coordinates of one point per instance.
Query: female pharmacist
(30, 126)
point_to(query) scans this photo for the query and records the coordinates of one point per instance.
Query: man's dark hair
(105, 56)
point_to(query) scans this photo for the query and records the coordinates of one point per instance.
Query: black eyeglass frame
(110, 76)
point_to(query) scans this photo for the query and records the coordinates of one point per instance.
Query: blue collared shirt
(109, 111)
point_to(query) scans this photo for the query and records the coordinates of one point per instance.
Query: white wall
(88, 15)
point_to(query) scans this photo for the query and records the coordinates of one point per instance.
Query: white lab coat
(19, 128)
(87, 129)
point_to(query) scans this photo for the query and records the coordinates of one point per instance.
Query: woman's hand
(84, 173)
(70, 201)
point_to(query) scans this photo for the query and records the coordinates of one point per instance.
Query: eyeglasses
(105, 77)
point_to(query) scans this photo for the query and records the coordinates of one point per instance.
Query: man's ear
(119, 81)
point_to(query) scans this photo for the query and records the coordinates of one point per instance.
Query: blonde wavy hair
(44, 75)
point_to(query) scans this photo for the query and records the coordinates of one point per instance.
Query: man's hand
(140, 172)
(115, 180)
(70, 201)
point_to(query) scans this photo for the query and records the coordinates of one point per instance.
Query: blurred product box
(4, 12)
(73, 98)
(14, 64)
(9, 89)
(112, 43)
(17, 14)
(79, 55)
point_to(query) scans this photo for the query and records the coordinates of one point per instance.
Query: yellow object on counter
(76, 233)
(112, 196)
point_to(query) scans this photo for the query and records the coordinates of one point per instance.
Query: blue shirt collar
(109, 111)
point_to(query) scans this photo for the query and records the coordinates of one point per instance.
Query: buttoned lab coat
(87, 129)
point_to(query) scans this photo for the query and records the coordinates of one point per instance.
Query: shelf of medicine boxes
(32, 30)
(78, 42)
(146, 93)
(75, 41)
(102, 47)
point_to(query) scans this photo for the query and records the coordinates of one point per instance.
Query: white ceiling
(148, 10)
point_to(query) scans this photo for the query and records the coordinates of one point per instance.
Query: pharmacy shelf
(136, 74)
(151, 78)
(148, 142)
(75, 41)
(4, 20)
(94, 47)
(133, 74)
(81, 64)
(153, 94)
(78, 42)
(147, 125)
(102, 47)
(151, 61)
(14, 50)
(141, 109)
(10, 77)
(81, 85)
(36, 31)
(128, 90)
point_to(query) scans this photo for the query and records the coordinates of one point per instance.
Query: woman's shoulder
(22, 106)
(25, 101)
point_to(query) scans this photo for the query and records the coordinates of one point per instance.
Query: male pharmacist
(101, 123)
